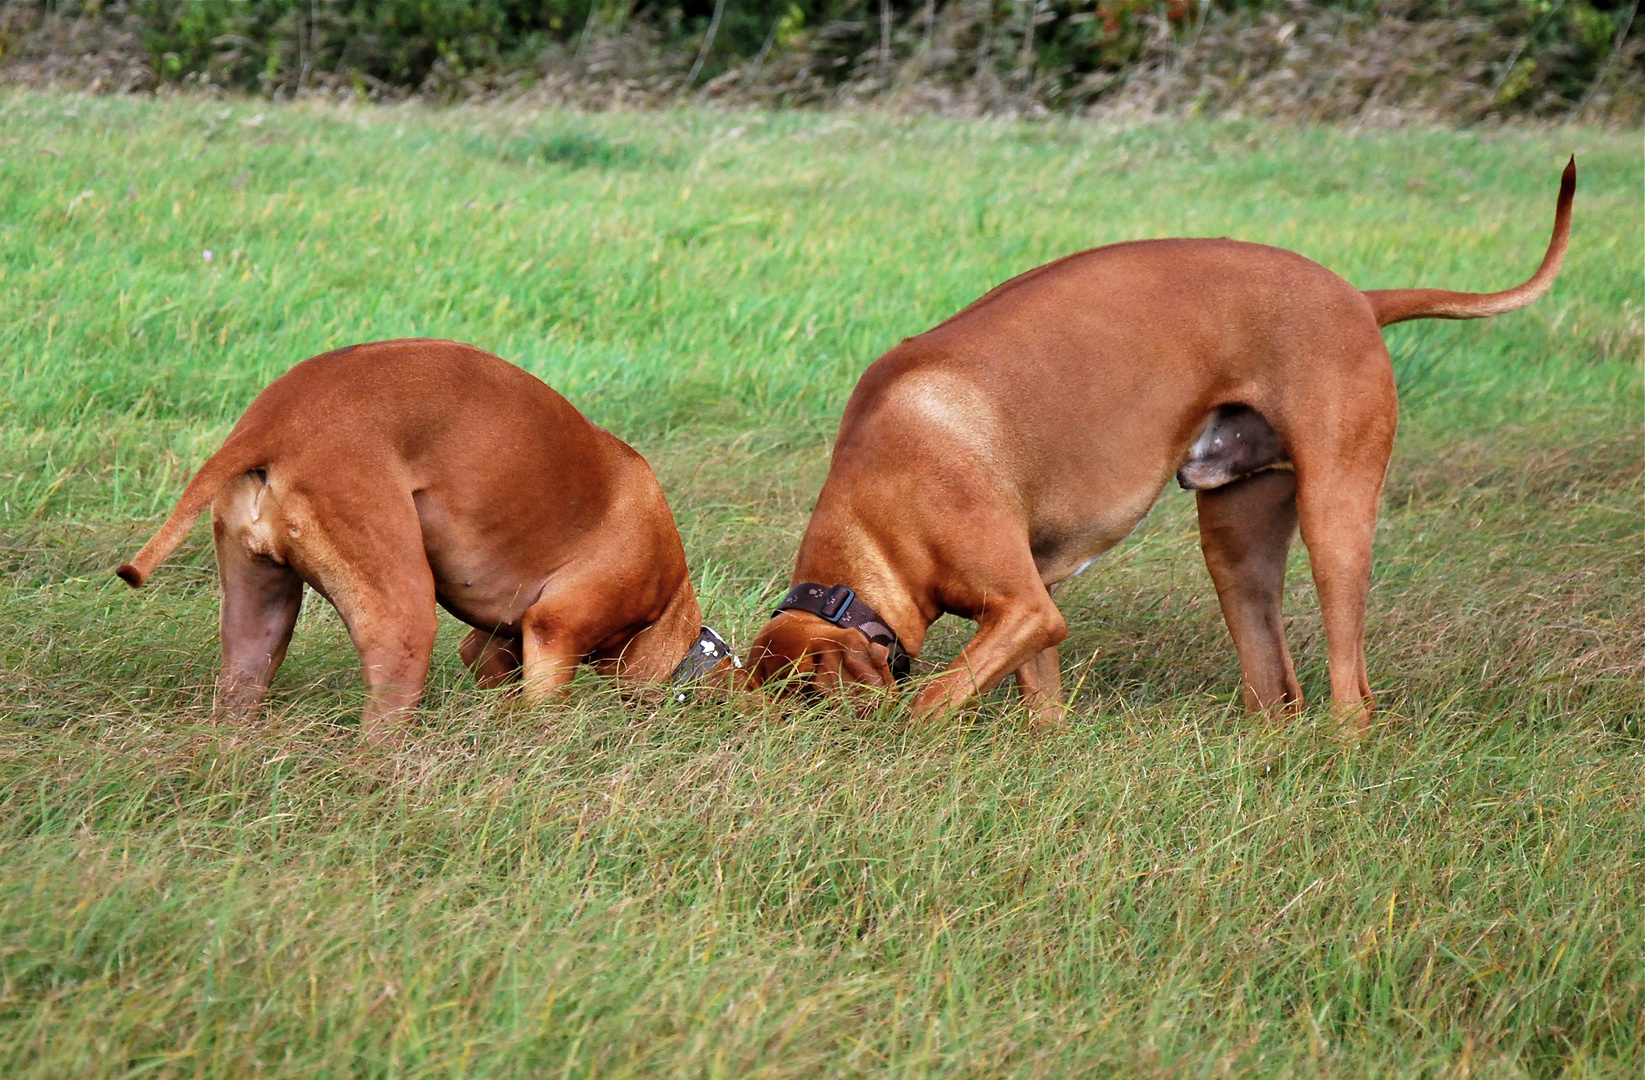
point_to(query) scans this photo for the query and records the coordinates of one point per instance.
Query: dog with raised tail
(398, 475)
(999, 453)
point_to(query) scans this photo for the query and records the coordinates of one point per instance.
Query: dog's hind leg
(390, 616)
(261, 600)
(1338, 528)
(1245, 531)
(1340, 469)
(392, 624)
(376, 574)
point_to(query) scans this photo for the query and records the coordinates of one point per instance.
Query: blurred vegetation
(1465, 58)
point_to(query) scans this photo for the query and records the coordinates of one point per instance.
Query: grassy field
(1167, 888)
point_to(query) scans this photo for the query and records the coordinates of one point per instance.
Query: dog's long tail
(232, 460)
(1398, 305)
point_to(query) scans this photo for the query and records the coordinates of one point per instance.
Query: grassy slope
(1167, 888)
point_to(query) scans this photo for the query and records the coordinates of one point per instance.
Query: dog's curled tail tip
(132, 576)
(1391, 306)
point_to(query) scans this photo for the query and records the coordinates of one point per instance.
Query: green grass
(1167, 888)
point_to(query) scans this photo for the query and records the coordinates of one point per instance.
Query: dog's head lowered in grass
(801, 652)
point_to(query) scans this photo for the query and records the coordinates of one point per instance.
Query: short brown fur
(998, 453)
(393, 476)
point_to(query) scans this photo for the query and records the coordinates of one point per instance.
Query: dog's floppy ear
(779, 653)
(844, 659)
(867, 663)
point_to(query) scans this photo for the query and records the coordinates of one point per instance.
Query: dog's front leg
(1012, 633)
(554, 643)
(1040, 683)
(494, 659)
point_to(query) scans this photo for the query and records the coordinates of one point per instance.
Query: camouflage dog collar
(704, 655)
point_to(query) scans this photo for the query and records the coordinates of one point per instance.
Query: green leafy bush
(1540, 57)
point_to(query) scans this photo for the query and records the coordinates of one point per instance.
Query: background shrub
(1325, 60)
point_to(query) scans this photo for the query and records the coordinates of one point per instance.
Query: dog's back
(404, 415)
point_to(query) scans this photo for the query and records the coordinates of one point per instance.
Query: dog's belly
(483, 580)
(1065, 559)
(491, 604)
(1063, 548)
(479, 575)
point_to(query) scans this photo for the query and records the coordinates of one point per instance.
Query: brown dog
(1002, 451)
(397, 475)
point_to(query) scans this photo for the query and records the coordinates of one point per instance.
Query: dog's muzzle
(704, 656)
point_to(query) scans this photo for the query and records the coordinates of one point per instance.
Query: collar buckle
(836, 604)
